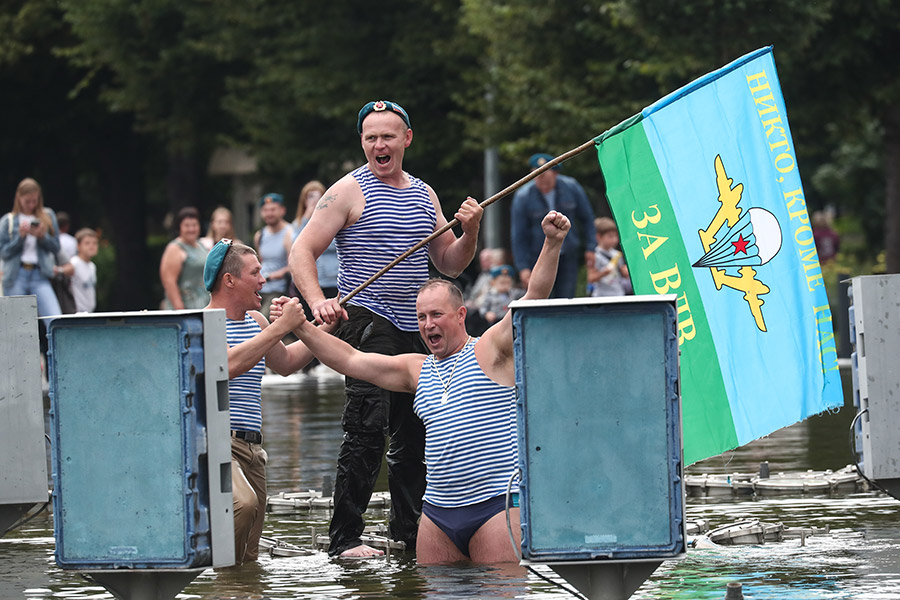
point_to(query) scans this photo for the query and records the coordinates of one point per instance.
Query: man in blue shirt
(551, 191)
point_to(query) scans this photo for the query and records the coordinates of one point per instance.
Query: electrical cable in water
(518, 553)
(856, 457)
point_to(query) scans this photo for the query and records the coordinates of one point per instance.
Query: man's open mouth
(382, 159)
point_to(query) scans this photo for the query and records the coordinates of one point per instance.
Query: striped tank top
(244, 391)
(392, 221)
(273, 256)
(470, 442)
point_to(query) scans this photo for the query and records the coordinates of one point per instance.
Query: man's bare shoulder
(259, 318)
(344, 198)
(344, 190)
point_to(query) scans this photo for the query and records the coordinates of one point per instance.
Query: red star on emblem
(740, 245)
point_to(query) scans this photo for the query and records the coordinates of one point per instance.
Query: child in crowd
(84, 278)
(496, 301)
(608, 276)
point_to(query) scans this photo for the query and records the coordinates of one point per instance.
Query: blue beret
(379, 106)
(501, 270)
(214, 261)
(271, 198)
(540, 159)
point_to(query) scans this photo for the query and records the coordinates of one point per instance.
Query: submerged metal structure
(23, 474)
(875, 335)
(600, 450)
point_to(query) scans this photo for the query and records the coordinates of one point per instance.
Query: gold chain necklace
(445, 397)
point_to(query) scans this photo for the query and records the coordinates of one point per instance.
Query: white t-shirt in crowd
(84, 284)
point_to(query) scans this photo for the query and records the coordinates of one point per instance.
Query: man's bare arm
(282, 359)
(331, 215)
(450, 254)
(396, 373)
(242, 357)
(494, 350)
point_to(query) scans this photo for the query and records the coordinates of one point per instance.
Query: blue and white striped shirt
(245, 390)
(470, 442)
(392, 222)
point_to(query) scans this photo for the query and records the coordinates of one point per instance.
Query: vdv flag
(705, 190)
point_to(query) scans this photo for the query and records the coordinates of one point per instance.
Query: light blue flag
(706, 191)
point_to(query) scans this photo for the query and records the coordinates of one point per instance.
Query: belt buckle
(251, 437)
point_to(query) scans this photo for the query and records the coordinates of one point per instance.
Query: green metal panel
(120, 433)
(599, 430)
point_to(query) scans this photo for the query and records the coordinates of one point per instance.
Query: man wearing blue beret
(375, 213)
(232, 274)
(551, 191)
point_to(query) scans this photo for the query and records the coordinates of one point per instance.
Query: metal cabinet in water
(875, 333)
(599, 429)
(23, 474)
(141, 449)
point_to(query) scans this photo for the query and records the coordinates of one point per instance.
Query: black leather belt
(252, 437)
(29, 266)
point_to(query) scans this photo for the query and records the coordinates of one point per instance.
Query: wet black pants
(369, 414)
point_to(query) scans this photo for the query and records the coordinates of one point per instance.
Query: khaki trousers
(248, 486)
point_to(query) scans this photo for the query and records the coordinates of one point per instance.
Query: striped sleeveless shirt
(470, 442)
(244, 391)
(392, 221)
(273, 256)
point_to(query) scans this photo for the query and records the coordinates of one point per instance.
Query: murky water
(858, 558)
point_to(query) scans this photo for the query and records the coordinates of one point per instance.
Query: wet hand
(275, 308)
(555, 225)
(292, 312)
(329, 311)
(469, 216)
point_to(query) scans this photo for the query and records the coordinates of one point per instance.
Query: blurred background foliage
(116, 106)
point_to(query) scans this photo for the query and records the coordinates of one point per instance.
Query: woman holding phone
(29, 241)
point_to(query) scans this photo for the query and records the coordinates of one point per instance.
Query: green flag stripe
(647, 225)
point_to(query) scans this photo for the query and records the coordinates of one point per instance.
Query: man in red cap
(375, 213)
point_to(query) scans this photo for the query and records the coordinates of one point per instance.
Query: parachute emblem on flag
(748, 240)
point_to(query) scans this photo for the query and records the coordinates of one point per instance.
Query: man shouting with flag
(375, 213)
(465, 394)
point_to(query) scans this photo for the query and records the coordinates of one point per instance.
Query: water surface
(859, 558)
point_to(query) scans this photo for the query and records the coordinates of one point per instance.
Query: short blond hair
(85, 232)
(605, 225)
(456, 297)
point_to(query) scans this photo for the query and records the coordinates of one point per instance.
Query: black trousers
(370, 413)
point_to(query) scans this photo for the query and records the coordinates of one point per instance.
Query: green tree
(88, 162)
(149, 59)
(854, 86)
(302, 81)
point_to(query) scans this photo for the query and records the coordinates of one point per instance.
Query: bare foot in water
(361, 551)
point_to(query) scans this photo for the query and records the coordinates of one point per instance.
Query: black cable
(856, 457)
(26, 520)
(513, 541)
(557, 584)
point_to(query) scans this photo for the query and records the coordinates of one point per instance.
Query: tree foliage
(116, 106)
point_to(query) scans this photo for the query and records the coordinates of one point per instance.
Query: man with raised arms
(375, 213)
(464, 393)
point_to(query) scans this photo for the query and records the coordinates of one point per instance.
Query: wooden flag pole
(504, 192)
